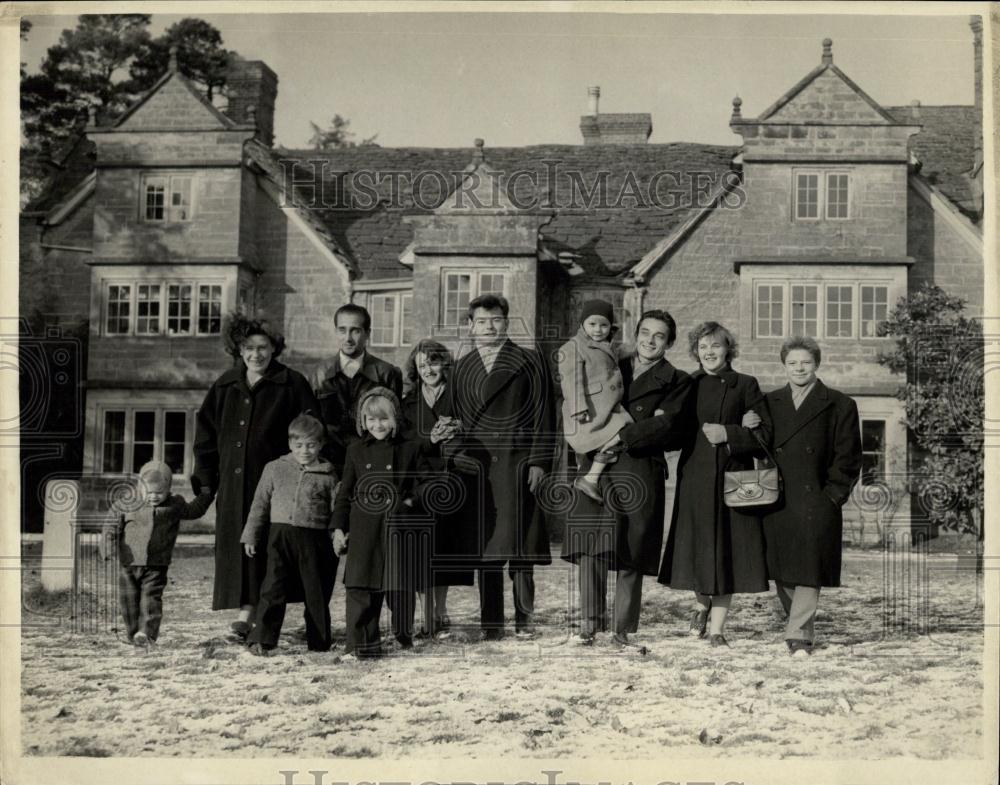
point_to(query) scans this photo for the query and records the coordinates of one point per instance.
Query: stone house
(831, 209)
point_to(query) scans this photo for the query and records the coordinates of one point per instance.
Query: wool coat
(508, 414)
(389, 542)
(456, 479)
(818, 450)
(634, 515)
(239, 430)
(338, 399)
(291, 493)
(591, 383)
(146, 535)
(712, 549)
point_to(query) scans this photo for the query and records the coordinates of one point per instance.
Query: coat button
(810, 450)
(494, 459)
(239, 444)
(239, 471)
(243, 422)
(807, 487)
(388, 466)
(779, 450)
(638, 408)
(246, 400)
(368, 465)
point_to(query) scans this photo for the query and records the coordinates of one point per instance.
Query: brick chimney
(252, 89)
(613, 128)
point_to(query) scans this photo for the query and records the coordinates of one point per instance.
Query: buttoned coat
(386, 537)
(818, 449)
(338, 409)
(239, 430)
(634, 516)
(712, 549)
(591, 383)
(508, 416)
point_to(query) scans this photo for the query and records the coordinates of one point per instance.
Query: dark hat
(597, 308)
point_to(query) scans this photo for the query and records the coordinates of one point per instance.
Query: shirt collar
(351, 365)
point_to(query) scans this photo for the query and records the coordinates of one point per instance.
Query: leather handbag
(757, 487)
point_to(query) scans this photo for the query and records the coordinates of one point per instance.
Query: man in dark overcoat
(817, 445)
(628, 534)
(503, 398)
(340, 383)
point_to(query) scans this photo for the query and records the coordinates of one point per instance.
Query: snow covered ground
(898, 672)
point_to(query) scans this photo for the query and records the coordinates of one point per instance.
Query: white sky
(521, 78)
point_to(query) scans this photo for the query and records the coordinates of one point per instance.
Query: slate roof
(75, 162)
(609, 234)
(946, 148)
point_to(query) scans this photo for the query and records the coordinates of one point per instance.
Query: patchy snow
(880, 672)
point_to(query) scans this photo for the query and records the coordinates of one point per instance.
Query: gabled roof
(606, 236)
(946, 148)
(811, 77)
(73, 163)
(173, 75)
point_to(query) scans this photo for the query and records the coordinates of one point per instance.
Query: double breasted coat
(712, 549)
(389, 542)
(634, 515)
(591, 383)
(508, 418)
(818, 450)
(239, 430)
(454, 509)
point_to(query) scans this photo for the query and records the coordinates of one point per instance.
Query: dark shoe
(799, 648)
(526, 633)
(699, 621)
(492, 635)
(621, 639)
(404, 642)
(443, 623)
(717, 641)
(588, 488)
(240, 631)
(583, 639)
(259, 650)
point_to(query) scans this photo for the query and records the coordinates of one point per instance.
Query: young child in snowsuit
(145, 537)
(592, 390)
(376, 508)
(295, 496)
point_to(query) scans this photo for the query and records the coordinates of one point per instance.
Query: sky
(444, 79)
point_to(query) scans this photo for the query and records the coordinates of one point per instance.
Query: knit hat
(598, 308)
(378, 392)
(156, 475)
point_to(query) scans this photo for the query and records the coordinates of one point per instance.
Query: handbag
(757, 487)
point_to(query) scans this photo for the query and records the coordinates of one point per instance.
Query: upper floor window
(460, 287)
(786, 308)
(166, 197)
(163, 308)
(821, 194)
(392, 323)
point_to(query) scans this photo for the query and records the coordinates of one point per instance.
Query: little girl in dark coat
(388, 539)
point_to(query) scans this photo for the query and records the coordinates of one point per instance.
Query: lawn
(899, 643)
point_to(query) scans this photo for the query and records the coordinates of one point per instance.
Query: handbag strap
(764, 446)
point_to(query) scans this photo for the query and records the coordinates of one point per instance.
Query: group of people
(432, 478)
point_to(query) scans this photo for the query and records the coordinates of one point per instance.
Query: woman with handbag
(817, 446)
(712, 549)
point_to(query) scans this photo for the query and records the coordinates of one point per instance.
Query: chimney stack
(594, 94)
(976, 23)
(252, 89)
(626, 128)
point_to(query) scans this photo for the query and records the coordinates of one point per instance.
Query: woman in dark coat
(817, 444)
(241, 426)
(711, 549)
(429, 414)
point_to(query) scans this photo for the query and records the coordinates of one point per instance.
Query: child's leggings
(141, 590)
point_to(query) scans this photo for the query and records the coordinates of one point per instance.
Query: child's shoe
(141, 640)
(240, 631)
(589, 488)
(583, 639)
(259, 650)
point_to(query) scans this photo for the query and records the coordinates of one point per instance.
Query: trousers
(141, 593)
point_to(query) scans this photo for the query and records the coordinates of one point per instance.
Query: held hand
(408, 501)
(581, 417)
(535, 476)
(751, 419)
(339, 542)
(715, 433)
(251, 550)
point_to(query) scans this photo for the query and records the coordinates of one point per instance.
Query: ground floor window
(872, 452)
(132, 436)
